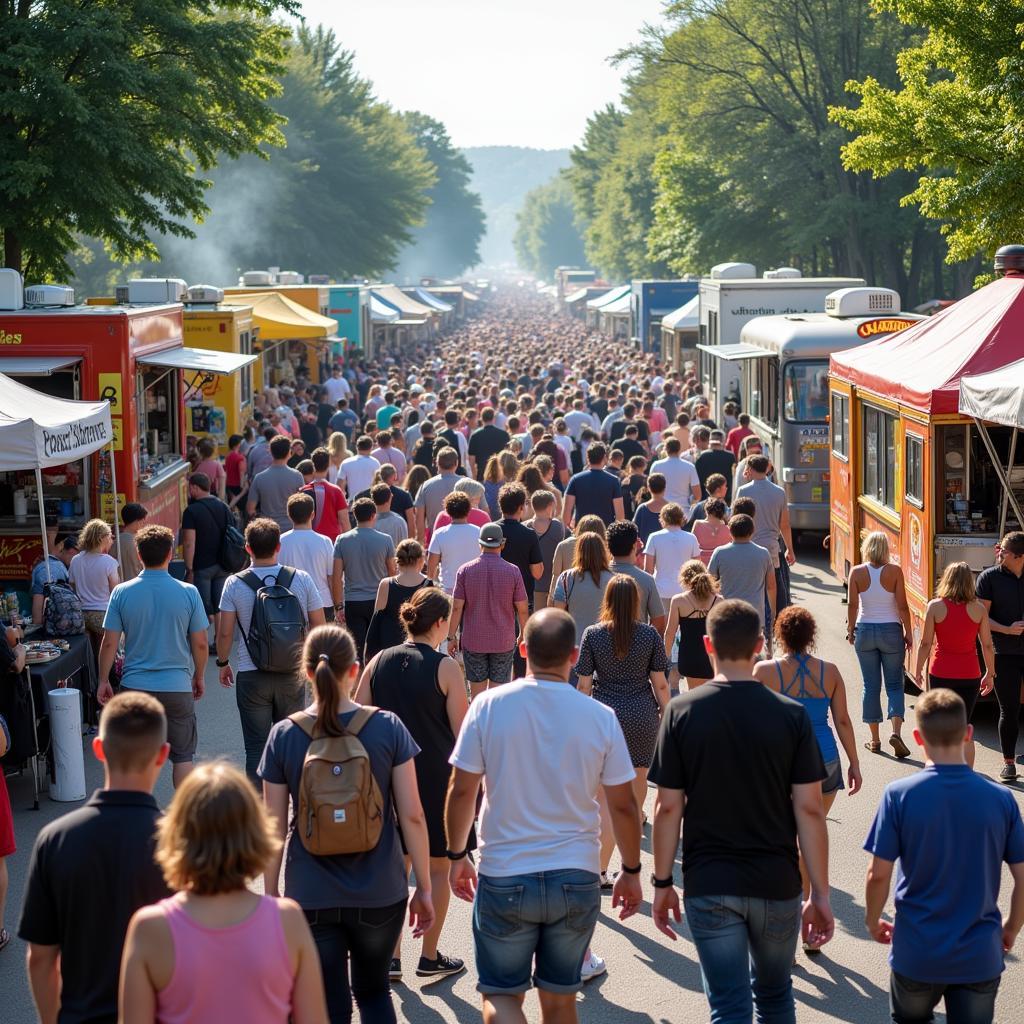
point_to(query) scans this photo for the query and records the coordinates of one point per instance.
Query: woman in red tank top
(954, 622)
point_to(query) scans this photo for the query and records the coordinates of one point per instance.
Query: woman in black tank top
(386, 629)
(426, 691)
(688, 613)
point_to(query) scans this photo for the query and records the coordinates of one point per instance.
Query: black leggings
(363, 940)
(1009, 674)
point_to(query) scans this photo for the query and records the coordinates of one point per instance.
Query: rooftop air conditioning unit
(11, 293)
(205, 294)
(154, 291)
(49, 295)
(290, 277)
(256, 279)
(862, 302)
(121, 295)
(781, 273)
(732, 271)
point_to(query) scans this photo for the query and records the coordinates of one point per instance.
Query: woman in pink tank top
(216, 952)
(954, 622)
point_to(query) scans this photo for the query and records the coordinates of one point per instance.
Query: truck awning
(204, 359)
(35, 366)
(732, 353)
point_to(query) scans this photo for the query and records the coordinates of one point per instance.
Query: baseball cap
(416, 389)
(491, 536)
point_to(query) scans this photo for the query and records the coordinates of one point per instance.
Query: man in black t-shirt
(202, 530)
(522, 549)
(743, 764)
(484, 442)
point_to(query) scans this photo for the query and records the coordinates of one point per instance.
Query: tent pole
(1009, 470)
(117, 518)
(42, 522)
(998, 466)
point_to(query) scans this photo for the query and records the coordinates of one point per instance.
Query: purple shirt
(490, 587)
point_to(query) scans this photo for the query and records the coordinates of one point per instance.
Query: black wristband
(632, 871)
(456, 856)
(224, 663)
(662, 883)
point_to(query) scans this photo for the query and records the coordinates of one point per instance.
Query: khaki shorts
(182, 732)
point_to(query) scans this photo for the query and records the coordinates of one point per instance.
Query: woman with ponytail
(687, 614)
(426, 690)
(355, 903)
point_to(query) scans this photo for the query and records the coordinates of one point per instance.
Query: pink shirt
(239, 973)
(214, 470)
(477, 516)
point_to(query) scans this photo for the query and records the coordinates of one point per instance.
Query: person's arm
(694, 495)
(818, 922)
(904, 609)
(433, 562)
(200, 644)
(536, 570)
(38, 602)
(625, 816)
(522, 614)
(108, 651)
(222, 644)
(568, 504)
(275, 796)
(363, 694)
(343, 522)
(661, 690)
(1013, 923)
(381, 601)
(113, 578)
(414, 834)
(316, 617)
(618, 508)
(585, 684)
(771, 588)
(988, 654)
(852, 604)
(453, 686)
(471, 459)
(250, 505)
(43, 964)
(876, 892)
(925, 648)
(458, 604)
(337, 581)
(668, 820)
(671, 626)
(787, 535)
(309, 1004)
(1009, 629)
(844, 727)
(459, 811)
(137, 992)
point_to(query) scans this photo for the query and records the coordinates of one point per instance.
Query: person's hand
(790, 556)
(627, 893)
(198, 686)
(1009, 937)
(850, 636)
(1017, 627)
(104, 692)
(453, 645)
(227, 679)
(988, 681)
(918, 678)
(818, 922)
(421, 912)
(339, 614)
(881, 931)
(462, 879)
(189, 575)
(665, 909)
(854, 778)
(908, 641)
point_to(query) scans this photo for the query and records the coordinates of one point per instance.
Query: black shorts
(968, 689)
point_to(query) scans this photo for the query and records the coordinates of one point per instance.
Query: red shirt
(735, 439)
(954, 655)
(233, 463)
(330, 500)
(477, 516)
(490, 586)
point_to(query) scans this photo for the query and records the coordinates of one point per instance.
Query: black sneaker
(395, 970)
(442, 967)
(1008, 773)
(1020, 759)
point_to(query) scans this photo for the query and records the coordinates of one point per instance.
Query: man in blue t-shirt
(593, 491)
(951, 831)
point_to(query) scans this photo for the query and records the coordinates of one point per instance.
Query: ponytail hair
(426, 607)
(694, 576)
(328, 656)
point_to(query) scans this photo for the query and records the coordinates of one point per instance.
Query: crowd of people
(454, 590)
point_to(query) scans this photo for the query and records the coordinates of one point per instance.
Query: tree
(547, 236)
(449, 240)
(957, 114)
(108, 111)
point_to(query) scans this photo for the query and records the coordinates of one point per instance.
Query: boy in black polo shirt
(93, 868)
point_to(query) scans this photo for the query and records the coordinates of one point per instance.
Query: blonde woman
(93, 573)
(687, 616)
(337, 445)
(879, 627)
(954, 622)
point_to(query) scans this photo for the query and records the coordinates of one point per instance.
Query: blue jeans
(746, 947)
(539, 922)
(880, 651)
(912, 1002)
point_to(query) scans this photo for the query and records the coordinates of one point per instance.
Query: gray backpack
(278, 626)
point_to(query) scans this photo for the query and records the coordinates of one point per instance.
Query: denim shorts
(481, 667)
(535, 929)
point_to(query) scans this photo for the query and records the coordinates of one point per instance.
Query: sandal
(900, 749)
(5, 938)
(875, 748)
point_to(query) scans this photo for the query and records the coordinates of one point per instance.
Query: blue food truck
(652, 300)
(349, 305)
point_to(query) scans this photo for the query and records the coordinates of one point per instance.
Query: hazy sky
(496, 72)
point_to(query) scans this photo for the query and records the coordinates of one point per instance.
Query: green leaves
(547, 236)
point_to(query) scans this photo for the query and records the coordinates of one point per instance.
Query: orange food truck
(903, 458)
(131, 356)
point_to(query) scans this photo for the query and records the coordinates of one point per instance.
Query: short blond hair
(874, 548)
(957, 584)
(93, 535)
(216, 835)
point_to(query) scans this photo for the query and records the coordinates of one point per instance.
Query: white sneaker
(593, 967)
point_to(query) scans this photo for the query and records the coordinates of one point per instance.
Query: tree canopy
(546, 236)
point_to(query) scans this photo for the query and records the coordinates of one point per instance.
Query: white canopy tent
(38, 431)
(685, 318)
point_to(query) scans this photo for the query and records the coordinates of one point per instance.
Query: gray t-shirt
(549, 540)
(582, 597)
(365, 552)
(770, 500)
(742, 569)
(430, 497)
(270, 491)
(651, 604)
(393, 525)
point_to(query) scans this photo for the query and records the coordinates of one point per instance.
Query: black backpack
(231, 556)
(278, 626)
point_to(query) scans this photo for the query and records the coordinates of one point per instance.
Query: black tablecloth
(76, 665)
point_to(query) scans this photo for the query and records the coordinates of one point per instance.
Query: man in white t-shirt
(682, 484)
(668, 550)
(263, 698)
(453, 545)
(303, 548)
(545, 751)
(355, 473)
(336, 386)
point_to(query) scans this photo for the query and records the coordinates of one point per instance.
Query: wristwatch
(631, 871)
(662, 883)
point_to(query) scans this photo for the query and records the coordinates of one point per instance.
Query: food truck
(783, 362)
(130, 355)
(651, 301)
(349, 306)
(905, 460)
(731, 297)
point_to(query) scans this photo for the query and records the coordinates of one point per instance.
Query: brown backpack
(341, 809)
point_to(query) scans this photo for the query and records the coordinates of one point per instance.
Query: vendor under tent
(679, 332)
(614, 318)
(595, 305)
(38, 431)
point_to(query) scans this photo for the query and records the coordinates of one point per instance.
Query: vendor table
(76, 664)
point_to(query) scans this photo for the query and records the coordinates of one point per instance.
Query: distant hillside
(502, 175)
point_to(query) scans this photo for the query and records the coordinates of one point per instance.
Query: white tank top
(876, 603)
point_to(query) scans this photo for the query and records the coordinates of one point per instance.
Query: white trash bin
(66, 737)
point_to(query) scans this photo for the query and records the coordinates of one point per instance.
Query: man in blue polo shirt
(593, 491)
(951, 831)
(166, 643)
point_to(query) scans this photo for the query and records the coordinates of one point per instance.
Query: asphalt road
(649, 978)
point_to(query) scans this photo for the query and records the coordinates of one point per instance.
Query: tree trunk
(12, 250)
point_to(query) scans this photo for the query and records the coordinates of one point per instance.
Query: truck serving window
(841, 425)
(805, 392)
(880, 456)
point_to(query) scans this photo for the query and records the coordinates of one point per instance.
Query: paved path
(649, 979)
